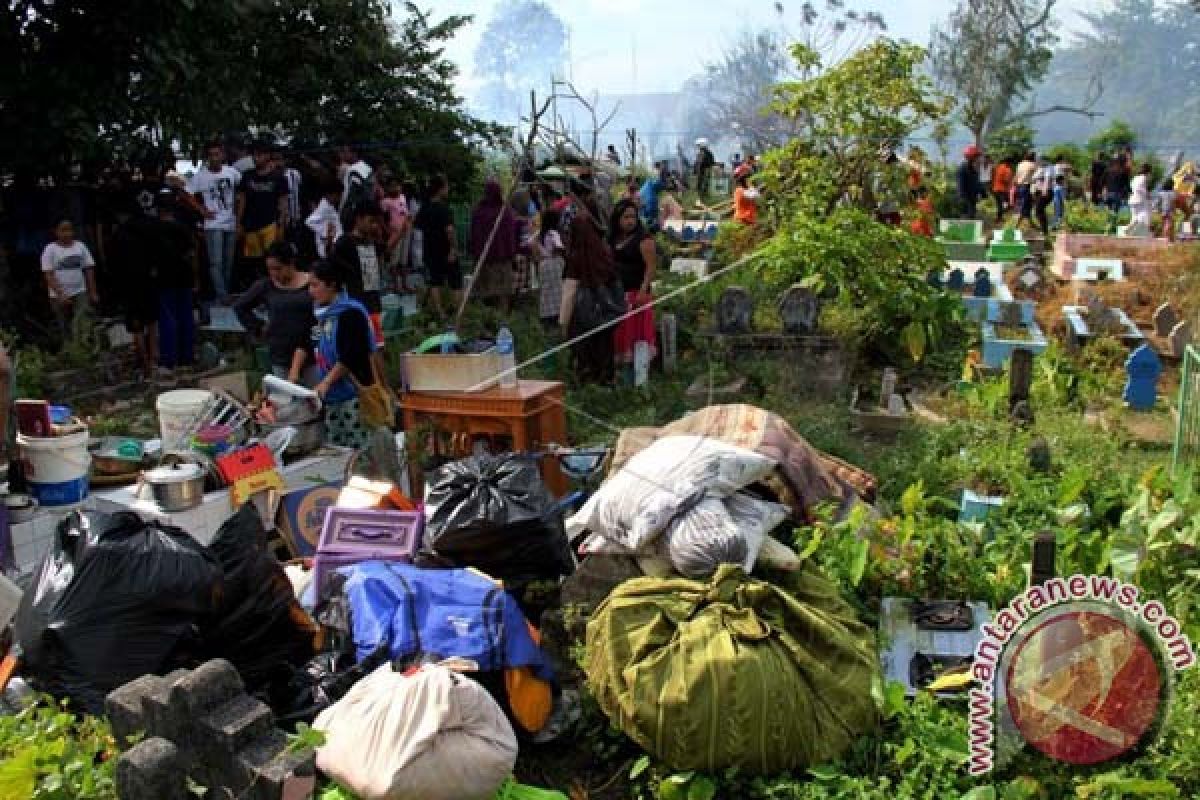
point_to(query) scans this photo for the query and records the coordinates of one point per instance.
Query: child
(923, 224)
(395, 208)
(548, 248)
(69, 271)
(1060, 199)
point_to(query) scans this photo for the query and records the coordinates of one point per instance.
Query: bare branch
(1085, 111)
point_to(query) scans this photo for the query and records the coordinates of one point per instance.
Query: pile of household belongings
(717, 669)
(116, 598)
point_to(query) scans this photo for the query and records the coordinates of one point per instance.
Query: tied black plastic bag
(495, 514)
(259, 625)
(115, 598)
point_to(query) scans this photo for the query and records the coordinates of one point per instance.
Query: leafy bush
(1119, 134)
(1011, 141)
(1073, 154)
(47, 753)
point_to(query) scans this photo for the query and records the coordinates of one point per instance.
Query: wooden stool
(531, 414)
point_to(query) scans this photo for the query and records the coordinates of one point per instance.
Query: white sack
(434, 735)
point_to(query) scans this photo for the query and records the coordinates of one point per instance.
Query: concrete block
(209, 685)
(127, 708)
(232, 726)
(151, 770)
(266, 766)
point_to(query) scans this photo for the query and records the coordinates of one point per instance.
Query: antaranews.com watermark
(1080, 664)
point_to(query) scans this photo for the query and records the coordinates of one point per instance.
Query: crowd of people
(1033, 186)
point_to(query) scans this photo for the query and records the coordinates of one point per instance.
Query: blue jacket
(326, 349)
(432, 614)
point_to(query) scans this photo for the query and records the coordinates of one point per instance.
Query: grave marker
(1180, 337)
(1142, 369)
(1020, 379)
(1011, 315)
(1164, 320)
(799, 308)
(735, 311)
(669, 343)
(957, 280)
(983, 284)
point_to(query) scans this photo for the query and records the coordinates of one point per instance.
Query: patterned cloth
(550, 279)
(343, 425)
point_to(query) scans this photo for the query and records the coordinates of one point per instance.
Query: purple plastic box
(352, 535)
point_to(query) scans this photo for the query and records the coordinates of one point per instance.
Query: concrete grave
(1142, 370)
(983, 284)
(799, 308)
(956, 280)
(1165, 319)
(735, 311)
(1179, 338)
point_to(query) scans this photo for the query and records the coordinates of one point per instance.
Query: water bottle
(447, 346)
(507, 349)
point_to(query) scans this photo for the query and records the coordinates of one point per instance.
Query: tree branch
(1087, 112)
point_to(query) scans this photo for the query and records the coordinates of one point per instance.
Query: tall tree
(731, 95)
(523, 47)
(990, 54)
(92, 79)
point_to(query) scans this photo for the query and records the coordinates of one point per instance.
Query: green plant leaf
(702, 788)
(980, 793)
(914, 340)
(639, 767)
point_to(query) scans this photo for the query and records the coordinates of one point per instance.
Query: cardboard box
(302, 516)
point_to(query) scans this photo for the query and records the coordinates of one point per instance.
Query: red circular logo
(1083, 687)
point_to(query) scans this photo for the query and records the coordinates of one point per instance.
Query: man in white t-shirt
(324, 222)
(216, 186)
(356, 172)
(69, 270)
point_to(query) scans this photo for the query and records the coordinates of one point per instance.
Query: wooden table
(531, 415)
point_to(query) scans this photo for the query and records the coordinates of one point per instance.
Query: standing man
(357, 182)
(176, 281)
(361, 261)
(968, 183)
(215, 184)
(1096, 183)
(293, 180)
(704, 165)
(1024, 179)
(1002, 183)
(262, 212)
(439, 245)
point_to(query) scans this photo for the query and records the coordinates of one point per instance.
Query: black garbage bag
(495, 514)
(259, 626)
(114, 599)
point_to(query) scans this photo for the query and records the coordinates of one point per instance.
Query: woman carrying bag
(356, 397)
(592, 297)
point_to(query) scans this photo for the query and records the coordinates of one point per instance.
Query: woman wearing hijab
(636, 257)
(494, 273)
(590, 294)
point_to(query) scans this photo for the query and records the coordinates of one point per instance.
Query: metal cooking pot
(176, 487)
(310, 435)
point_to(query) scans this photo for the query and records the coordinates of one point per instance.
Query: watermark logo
(1078, 667)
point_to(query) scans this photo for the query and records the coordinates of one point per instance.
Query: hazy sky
(669, 40)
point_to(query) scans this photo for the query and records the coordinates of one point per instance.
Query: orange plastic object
(531, 414)
(245, 462)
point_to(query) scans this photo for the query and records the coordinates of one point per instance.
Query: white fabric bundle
(433, 735)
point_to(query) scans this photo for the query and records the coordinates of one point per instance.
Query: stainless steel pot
(176, 487)
(310, 435)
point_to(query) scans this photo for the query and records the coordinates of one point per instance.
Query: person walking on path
(290, 321)
(215, 184)
(1024, 180)
(493, 269)
(1002, 183)
(967, 182)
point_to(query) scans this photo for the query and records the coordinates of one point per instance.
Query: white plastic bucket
(58, 467)
(177, 410)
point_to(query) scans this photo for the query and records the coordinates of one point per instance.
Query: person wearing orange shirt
(745, 202)
(923, 224)
(1002, 184)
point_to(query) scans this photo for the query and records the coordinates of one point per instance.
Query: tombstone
(1030, 278)
(1020, 379)
(983, 283)
(799, 308)
(1040, 459)
(1179, 338)
(1142, 369)
(735, 311)
(1010, 314)
(934, 278)
(1164, 320)
(956, 280)
(670, 350)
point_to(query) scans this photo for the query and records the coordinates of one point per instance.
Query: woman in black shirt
(290, 318)
(636, 257)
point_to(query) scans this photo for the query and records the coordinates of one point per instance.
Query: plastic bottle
(507, 348)
(448, 341)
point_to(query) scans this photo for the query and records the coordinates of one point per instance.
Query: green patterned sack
(733, 672)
